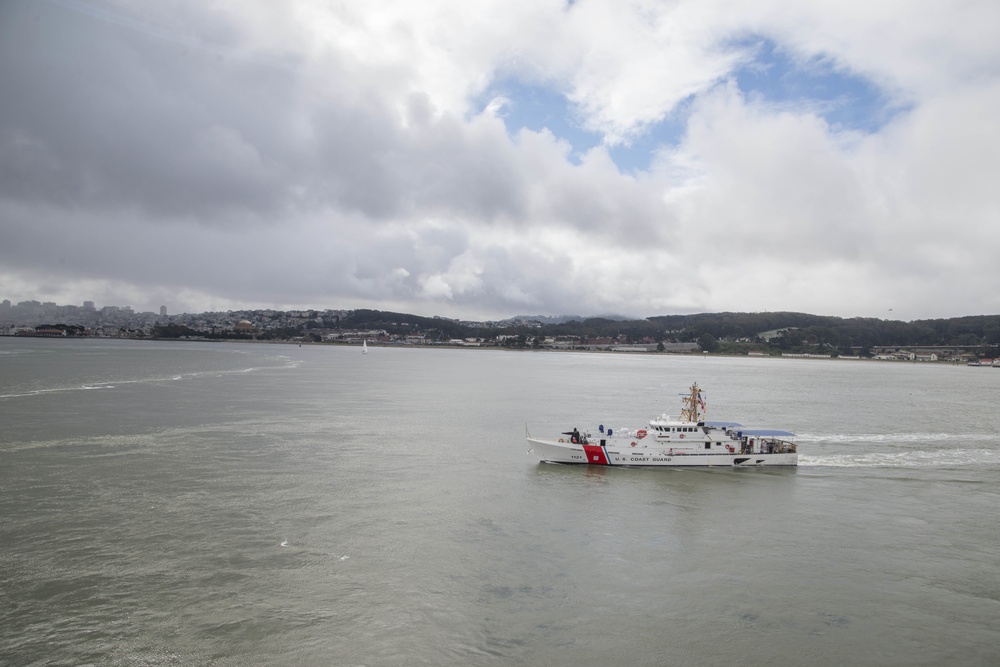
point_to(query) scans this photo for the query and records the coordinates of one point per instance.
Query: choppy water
(235, 504)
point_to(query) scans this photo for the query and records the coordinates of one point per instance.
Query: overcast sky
(485, 158)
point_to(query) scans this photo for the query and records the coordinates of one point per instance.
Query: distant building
(163, 311)
(88, 305)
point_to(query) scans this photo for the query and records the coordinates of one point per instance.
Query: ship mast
(691, 401)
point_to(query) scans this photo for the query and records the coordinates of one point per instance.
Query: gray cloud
(241, 154)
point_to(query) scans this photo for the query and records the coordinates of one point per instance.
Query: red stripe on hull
(595, 455)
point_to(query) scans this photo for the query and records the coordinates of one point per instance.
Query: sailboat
(364, 347)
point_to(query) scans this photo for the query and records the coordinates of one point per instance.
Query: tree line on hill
(722, 331)
(715, 331)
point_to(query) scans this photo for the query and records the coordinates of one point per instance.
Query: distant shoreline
(447, 346)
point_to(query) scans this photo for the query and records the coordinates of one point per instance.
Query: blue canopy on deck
(767, 433)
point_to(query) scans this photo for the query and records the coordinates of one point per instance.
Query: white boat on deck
(686, 441)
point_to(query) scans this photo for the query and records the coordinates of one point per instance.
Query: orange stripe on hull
(595, 455)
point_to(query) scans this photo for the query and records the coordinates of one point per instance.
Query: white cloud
(333, 155)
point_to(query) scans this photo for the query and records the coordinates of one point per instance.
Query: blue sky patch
(536, 107)
(846, 101)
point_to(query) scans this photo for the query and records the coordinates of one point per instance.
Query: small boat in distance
(686, 441)
(364, 346)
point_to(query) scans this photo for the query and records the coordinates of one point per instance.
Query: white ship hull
(671, 443)
(550, 451)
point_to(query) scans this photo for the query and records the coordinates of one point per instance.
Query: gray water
(236, 504)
